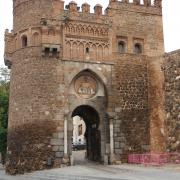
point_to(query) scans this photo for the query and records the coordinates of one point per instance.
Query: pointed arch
(74, 50)
(68, 50)
(51, 32)
(94, 52)
(24, 41)
(89, 29)
(100, 53)
(92, 31)
(96, 73)
(81, 50)
(106, 52)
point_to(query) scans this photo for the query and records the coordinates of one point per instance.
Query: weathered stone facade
(172, 101)
(105, 68)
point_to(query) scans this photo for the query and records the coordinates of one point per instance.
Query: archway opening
(24, 41)
(92, 138)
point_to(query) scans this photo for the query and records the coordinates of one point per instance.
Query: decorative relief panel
(86, 86)
(86, 49)
(84, 29)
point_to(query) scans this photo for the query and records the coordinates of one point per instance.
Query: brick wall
(36, 113)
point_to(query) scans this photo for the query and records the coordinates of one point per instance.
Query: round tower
(33, 52)
(29, 12)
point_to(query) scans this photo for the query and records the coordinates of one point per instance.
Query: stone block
(56, 142)
(65, 160)
(106, 159)
(61, 135)
(57, 163)
(122, 145)
(118, 151)
(117, 145)
(61, 148)
(59, 154)
(72, 160)
(55, 148)
(118, 109)
(55, 135)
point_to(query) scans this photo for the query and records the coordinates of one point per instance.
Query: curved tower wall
(35, 119)
(29, 12)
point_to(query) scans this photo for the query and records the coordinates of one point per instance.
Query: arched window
(51, 32)
(121, 47)
(24, 41)
(87, 50)
(138, 48)
(16, 43)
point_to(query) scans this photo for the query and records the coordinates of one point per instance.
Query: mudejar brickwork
(108, 68)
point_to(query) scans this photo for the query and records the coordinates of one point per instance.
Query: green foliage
(4, 75)
(4, 98)
(4, 102)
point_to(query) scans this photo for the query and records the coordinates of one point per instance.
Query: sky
(171, 22)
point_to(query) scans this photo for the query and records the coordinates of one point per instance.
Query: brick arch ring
(97, 74)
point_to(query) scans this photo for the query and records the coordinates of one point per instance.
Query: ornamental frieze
(86, 29)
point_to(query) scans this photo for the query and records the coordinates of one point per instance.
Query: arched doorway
(92, 133)
(87, 99)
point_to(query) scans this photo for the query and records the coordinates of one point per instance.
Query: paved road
(91, 171)
(84, 170)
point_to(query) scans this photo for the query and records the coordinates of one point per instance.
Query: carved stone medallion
(86, 86)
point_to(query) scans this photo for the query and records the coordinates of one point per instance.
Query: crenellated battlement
(146, 6)
(137, 6)
(85, 8)
(153, 3)
(72, 7)
(75, 22)
(8, 49)
(18, 2)
(23, 10)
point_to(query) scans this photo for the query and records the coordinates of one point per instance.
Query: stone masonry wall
(48, 47)
(32, 11)
(102, 73)
(134, 24)
(36, 116)
(131, 125)
(156, 105)
(172, 99)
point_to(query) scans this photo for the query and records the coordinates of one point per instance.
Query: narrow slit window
(54, 50)
(87, 50)
(138, 48)
(121, 47)
(47, 50)
(24, 41)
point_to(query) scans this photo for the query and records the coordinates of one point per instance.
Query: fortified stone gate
(105, 68)
(88, 99)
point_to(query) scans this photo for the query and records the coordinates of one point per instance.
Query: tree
(4, 75)
(4, 102)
